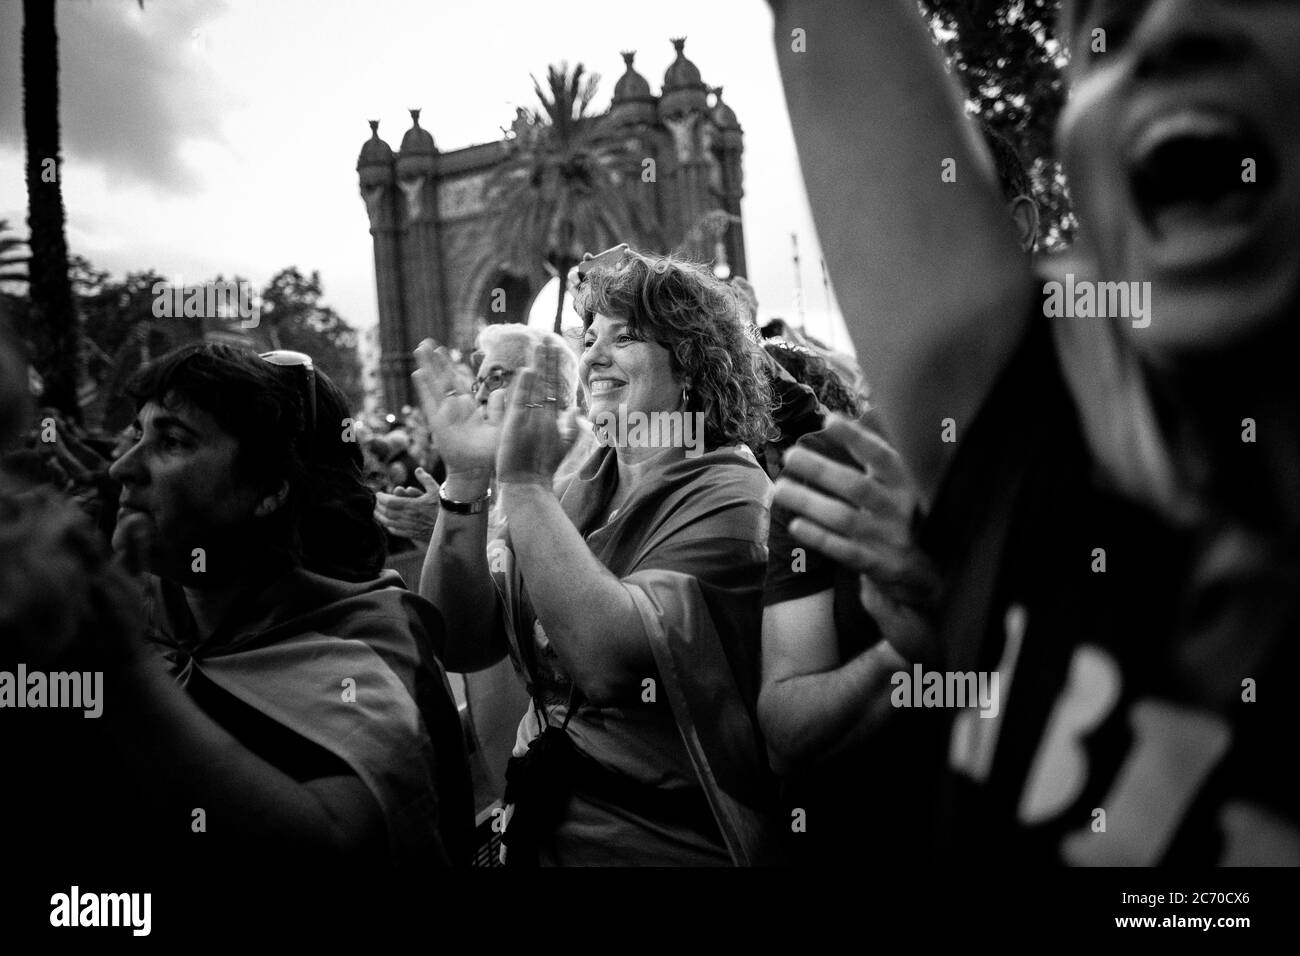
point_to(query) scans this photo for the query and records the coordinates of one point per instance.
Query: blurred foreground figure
(1113, 480)
(58, 607)
(839, 621)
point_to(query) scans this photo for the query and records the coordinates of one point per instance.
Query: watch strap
(477, 506)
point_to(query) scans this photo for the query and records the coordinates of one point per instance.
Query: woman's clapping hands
(466, 436)
(539, 429)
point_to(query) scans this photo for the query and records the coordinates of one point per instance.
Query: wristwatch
(477, 506)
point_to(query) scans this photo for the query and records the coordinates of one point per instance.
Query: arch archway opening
(541, 315)
(506, 299)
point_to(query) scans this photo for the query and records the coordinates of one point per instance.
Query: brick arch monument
(435, 264)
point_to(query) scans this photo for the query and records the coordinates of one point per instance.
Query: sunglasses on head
(286, 358)
(619, 256)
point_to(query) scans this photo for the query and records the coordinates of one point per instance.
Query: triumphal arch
(437, 267)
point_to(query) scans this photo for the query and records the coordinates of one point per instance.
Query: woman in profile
(628, 594)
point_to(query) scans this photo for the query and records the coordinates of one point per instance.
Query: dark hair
(697, 317)
(1012, 176)
(808, 368)
(327, 521)
(776, 328)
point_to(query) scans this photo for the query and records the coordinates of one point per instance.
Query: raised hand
(861, 517)
(536, 434)
(409, 513)
(466, 439)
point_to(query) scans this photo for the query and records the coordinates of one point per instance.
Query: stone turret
(684, 91)
(415, 159)
(376, 170)
(633, 102)
(375, 164)
(724, 118)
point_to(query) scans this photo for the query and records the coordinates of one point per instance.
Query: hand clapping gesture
(465, 437)
(408, 512)
(538, 429)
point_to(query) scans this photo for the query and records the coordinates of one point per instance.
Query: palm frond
(13, 264)
(564, 187)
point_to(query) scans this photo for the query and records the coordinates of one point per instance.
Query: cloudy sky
(204, 137)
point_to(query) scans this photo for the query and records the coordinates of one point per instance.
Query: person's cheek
(182, 515)
(118, 541)
(1087, 143)
(168, 533)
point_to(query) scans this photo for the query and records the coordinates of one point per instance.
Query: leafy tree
(13, 314)
(294, 318)
(121, 333)
(52, 321)
(1008, 58)
(562, 190)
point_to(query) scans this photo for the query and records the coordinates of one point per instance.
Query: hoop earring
(686, 397)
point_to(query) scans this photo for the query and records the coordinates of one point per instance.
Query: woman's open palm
(465, 437)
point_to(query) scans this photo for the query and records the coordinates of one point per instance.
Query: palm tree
(562, 190)
(13, 265)
(54, 331)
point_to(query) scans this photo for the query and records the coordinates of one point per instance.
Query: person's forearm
(456, 580)
(184, 760)
(589, 616)
(809, 717)
(927, 271)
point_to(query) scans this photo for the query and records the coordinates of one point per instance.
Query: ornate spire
(415, 158)
(375, 164)
(684, 91)
(631, 85)
(723, 116)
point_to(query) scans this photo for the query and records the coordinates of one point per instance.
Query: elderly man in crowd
(411, 512)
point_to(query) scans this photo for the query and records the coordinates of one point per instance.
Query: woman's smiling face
(618, 369)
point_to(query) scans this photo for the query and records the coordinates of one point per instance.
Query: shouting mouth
(1201, 180)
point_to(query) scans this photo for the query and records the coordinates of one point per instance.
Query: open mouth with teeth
(601, 385)
(1190, 170)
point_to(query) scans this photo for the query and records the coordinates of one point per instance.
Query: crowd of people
(1029, 596)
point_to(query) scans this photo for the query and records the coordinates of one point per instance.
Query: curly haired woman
(629, 595)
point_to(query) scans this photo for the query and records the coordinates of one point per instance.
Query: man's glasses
(497, 378)
(290, 359)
